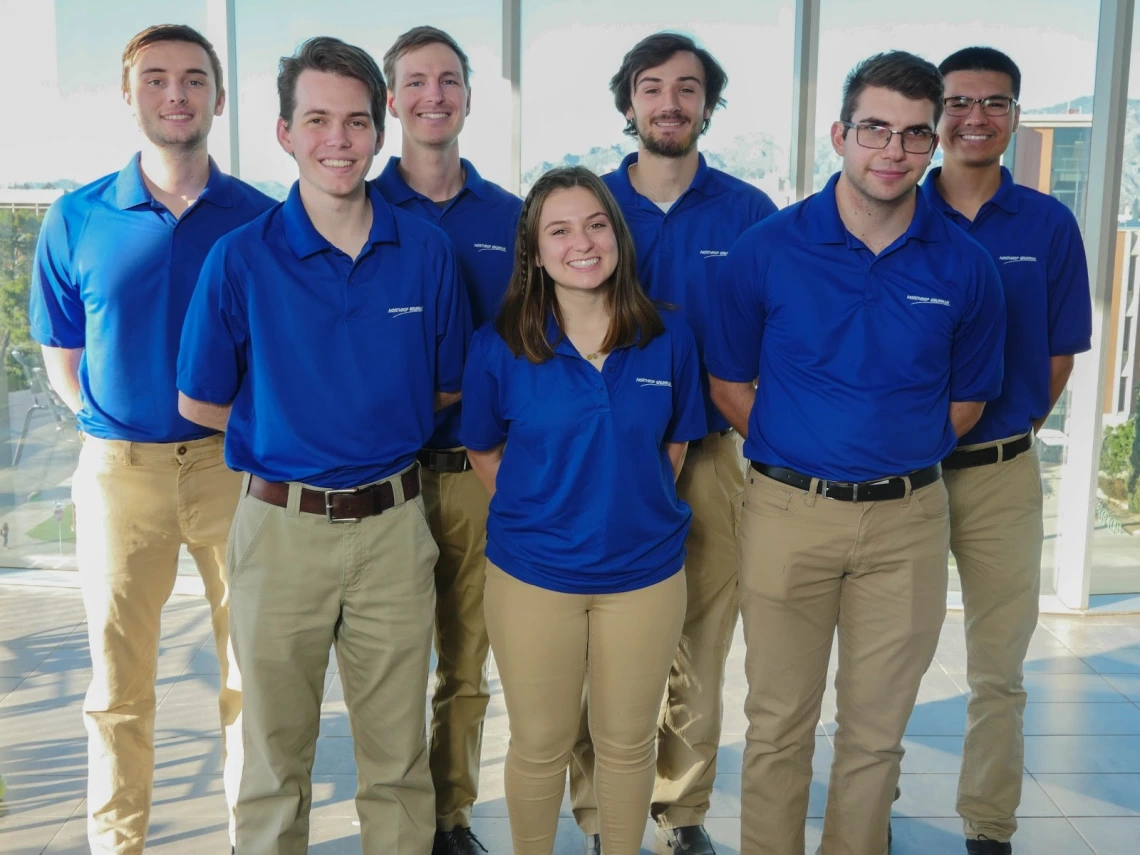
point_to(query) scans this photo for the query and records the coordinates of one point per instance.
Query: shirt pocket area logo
(400, 311)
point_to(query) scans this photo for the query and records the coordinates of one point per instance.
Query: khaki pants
(456, 504)
(711, 482)
(301, 584)
(874, 571)
(996, 534)
(547, 646)
(135, 505)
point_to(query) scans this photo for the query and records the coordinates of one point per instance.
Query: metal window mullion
(1077, 501)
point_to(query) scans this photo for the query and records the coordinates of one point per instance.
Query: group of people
(385, 415)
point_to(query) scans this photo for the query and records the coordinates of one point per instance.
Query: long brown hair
(530, 299)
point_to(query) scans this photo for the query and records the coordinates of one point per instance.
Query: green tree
(19, 229)
(1116, 450)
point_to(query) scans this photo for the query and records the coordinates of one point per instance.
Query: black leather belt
(846, 491)
(986, 456)
(443, 461)
(696, 443)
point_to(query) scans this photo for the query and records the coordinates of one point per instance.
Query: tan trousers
(456, 504)
(712, 483)
(301, 584)
(547, 646)
(135, 505)
(874, 571)
(996, 534)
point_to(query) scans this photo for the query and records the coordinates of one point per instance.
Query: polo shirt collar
(1005, 198)
(399, 191)
(131, 190)
(303, 237)
(704, 182)
(824, 225)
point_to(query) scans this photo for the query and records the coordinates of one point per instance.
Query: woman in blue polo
(577, 406)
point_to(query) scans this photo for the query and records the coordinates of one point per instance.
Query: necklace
(593, 356)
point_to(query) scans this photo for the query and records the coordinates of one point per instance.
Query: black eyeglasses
(914, 140)
(994, 105)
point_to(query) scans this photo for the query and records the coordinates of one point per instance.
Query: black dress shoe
(985, 846)
(593, 844)
(458, 841)
(687, 840)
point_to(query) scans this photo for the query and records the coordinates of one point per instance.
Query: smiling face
(668, 105)
(331, 134)
(429, 96)
(174, 94)
(977, 139)
(576, 242)
(886, 174)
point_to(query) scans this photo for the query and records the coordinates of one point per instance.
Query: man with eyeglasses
(994, 476)
(873, 332)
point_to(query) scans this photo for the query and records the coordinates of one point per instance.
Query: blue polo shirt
(585, 501)
(1037, 245)
(331, 363)
(681, 253)
(113, 274)
(857, 356)
(481, 222)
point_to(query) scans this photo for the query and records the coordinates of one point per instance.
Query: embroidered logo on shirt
(713, 253)
(933, 301)
(494, 247)
(405, 310)
(646, 381)
(1013, 259)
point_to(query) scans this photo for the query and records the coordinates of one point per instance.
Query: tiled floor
(1082, 759)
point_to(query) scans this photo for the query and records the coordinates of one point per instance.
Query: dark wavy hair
(324, 53)
(898, 71)
(651, 52)
(531, 299)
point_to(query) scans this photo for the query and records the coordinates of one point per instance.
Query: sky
(65, 117)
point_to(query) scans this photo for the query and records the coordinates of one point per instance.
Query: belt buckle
(328, 505)
(855, 491)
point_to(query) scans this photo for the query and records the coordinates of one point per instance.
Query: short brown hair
(324, 53)
(530, 297)
(419, 37)
(168, 33)
(651, 52)
(897, 71)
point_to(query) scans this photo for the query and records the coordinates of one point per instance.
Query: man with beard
(429, 79)
(115, 267)
(684, 216)
(994, 476)
(858, 334)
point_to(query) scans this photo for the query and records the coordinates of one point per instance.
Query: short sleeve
(482, 426)
(211, 358)
(453, 323)
(689, 421)
(732, 345)
(1070, 301)
(56, 314)
(977, 358)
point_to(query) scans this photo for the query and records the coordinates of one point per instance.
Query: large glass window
(570, 51)
(1116, 529)
(266, 30)
(67, 126)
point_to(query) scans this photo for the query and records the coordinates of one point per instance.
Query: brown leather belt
(339, 505)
